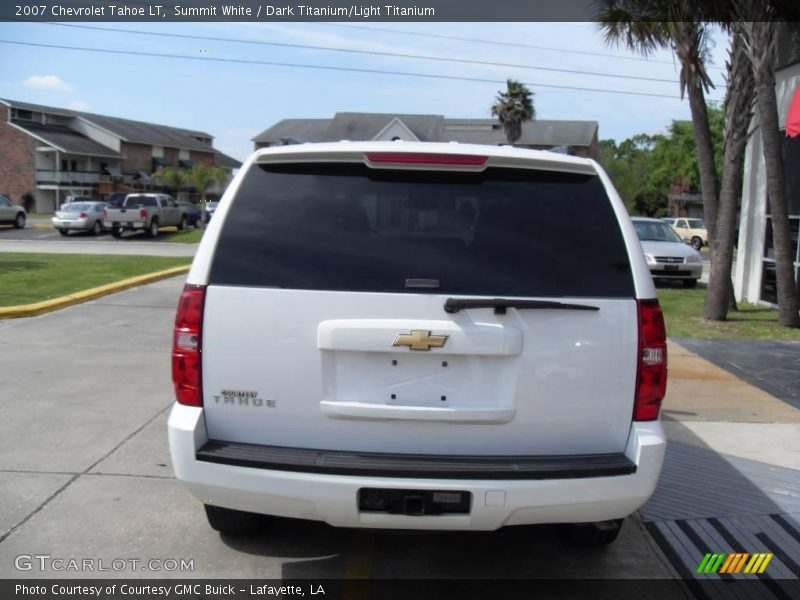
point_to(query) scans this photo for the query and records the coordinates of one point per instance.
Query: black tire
(19, 221)
(152, 229)
(234, 522)
(182, 225)
(690, 283)
(601, 533)
(117, 232)
(63, 232)
(97, 228)
(697, 243)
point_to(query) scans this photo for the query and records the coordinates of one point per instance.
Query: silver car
(80, 216)
(11, 213)
(667, 256)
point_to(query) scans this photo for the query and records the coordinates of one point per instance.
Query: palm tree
(513, 107)
(739, 100)
(645, 26)
(171, 177)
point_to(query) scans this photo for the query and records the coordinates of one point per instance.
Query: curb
(38, 308)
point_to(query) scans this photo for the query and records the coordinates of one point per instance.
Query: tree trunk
(738, 113)
(762, 39)
(685, 41)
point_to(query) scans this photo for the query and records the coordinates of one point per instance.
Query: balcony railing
(67, 178)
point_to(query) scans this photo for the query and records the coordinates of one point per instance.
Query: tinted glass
(697, 224)
(503, 232)
(141, 201)
(77, 207)
(652, 231)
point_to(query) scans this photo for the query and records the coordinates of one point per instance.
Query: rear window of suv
(501, 232)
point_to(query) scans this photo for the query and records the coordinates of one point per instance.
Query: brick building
(51, 153)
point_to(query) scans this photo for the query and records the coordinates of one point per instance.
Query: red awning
(793, 116)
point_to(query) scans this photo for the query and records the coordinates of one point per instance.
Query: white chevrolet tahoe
(419, 336)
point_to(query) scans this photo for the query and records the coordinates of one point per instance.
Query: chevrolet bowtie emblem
(419, 340)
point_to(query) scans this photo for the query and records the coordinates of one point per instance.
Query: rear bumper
(83, 224)
(125, 224)
(332, 497)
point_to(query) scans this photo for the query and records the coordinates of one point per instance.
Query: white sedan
(667, 256)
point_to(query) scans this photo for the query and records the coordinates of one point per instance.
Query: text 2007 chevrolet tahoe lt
(419, 336)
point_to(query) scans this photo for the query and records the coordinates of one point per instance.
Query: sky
(235, 101)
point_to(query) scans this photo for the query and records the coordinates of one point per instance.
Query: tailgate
(527, 382)
(325, 324)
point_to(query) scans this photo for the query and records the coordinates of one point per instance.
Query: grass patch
(683, 310)
(189, 236)
(27, 278)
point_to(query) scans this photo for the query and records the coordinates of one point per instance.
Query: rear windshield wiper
(454, 305)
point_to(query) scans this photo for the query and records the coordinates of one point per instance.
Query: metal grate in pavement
(686, 541)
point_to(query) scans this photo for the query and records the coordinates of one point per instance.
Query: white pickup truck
(145, 212)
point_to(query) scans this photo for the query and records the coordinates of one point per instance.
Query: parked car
(193, 213)
(210, 208)
(71, 199)
(666, 254)
(392, 338)
(11, 213)
(692, 231)
(145, 212)
(80, 216)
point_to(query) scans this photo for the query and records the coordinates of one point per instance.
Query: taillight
(186, 346)
(105, 213)
(84, 215)
(142, 213)
(421, 158)
(651, 383)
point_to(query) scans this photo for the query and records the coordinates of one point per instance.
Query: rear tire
(152, 229)
(697, 243)
(63, 232)
(182, 224)
(19, 221)
(597, 534)
(97, 229)
(234, 522)
(690, 283)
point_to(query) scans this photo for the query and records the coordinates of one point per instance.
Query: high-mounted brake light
(651, 378)
(187, 346)
(421, 158)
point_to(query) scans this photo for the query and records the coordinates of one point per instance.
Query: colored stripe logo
(736, 562)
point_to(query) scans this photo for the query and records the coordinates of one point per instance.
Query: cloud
(47, 82)
(78, 105)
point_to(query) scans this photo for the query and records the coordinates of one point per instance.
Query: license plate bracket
(414, 503)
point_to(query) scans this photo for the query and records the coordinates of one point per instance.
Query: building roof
(65, 139)
(428, 128)
(128, 130)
